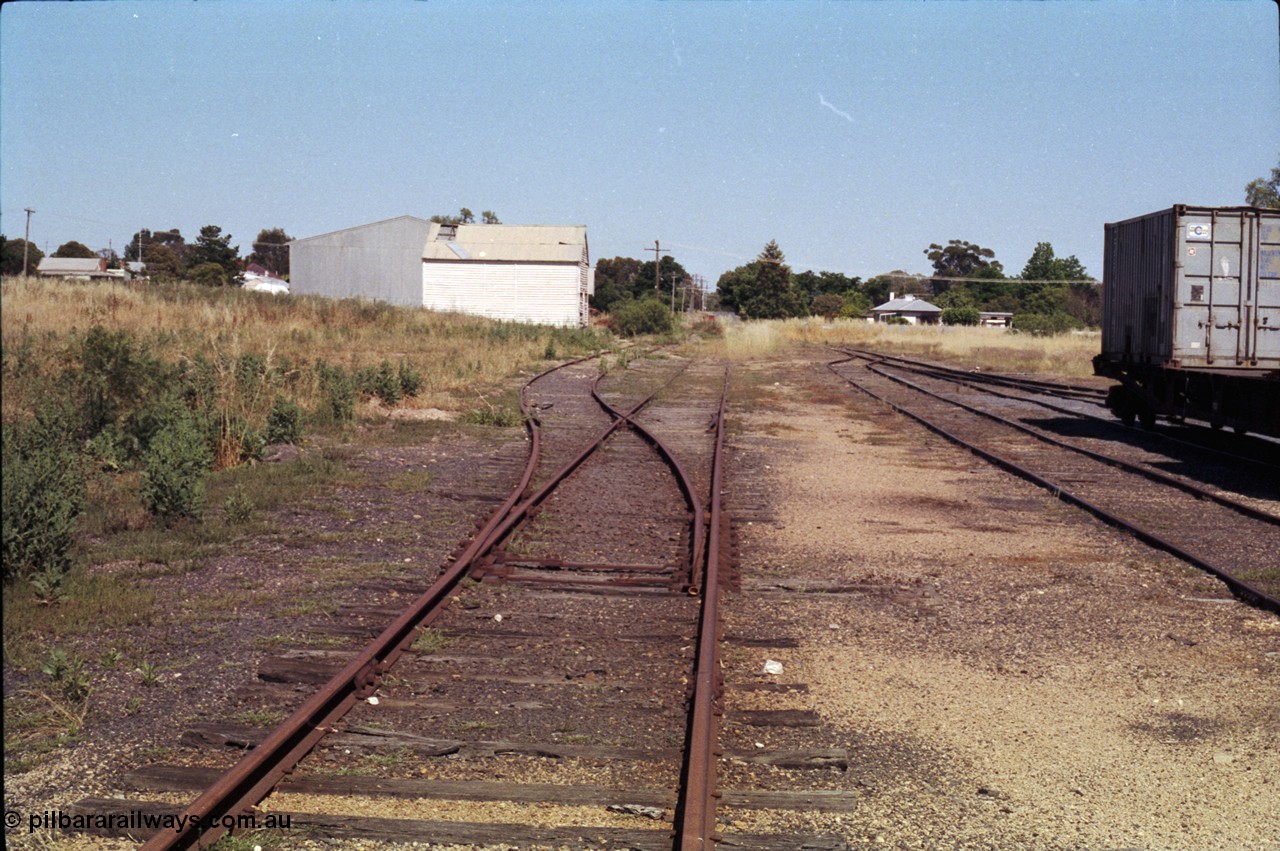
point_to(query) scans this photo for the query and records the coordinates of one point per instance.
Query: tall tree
(762, 288)
(170, 238)
(11, 251)
(74, 249)
(1044, 266)
(271, 250)
(960, 259)
(1263, 192)
(489, 217)
(213, 246)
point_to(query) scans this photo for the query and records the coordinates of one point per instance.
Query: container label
(1200, 231)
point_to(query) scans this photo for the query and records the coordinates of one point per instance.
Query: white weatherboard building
(522, 273)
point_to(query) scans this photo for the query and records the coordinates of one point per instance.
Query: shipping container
(1194, 287)
(1191, 317)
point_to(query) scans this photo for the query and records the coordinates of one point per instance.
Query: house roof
(70, 266)
(488, 243)
(907, 304)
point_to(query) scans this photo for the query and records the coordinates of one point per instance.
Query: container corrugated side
(1194, 287)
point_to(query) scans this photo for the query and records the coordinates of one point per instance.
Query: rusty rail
(251, 779)
(1239, 587)
(696, 813)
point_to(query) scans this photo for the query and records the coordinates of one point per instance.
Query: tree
(1044, 266)
(271, 250)
(961, 316)
(212, 246)
(171, 239)
(466, 217)
(762, 288)
(960, 259)
(11, 251)
(826, 305)
(616, 281)
(1263, 192)
(161, 260)
(75, 249)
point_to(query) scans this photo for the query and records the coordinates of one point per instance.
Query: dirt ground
(1047, 681)
(1023, 676)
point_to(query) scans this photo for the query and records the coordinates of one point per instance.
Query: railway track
(1231, 529)
(558, 684)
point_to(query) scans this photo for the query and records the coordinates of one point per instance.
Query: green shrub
(284, 423)
(44, 493)
(174, 471)
(961, 316)
(339, 391)
(238, 507)
(1044, 324)
(501, 417)
(646, 316)
(116, 375)
(410, 380)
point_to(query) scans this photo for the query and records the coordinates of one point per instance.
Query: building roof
(907, 304)
(413, 219)
(71, 266)
(509, 243)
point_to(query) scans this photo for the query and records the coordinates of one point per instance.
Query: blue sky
(854, 134)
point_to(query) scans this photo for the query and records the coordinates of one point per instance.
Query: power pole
(657, 264)
(26, 242)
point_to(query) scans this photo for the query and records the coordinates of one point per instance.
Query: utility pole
(657, 265)
(26, 242)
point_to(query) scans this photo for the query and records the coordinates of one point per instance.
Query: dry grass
(995, 349)
(454, 353)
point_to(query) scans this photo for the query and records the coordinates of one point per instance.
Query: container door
(1213, 278)
(1266, 328)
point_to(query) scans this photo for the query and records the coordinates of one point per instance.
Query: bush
(961, 316)
(827, 305)
(174, 470)
(647, 316)
(284, 423)
(410, 380)
(339, 392)
(44, 493)
(1044, 324)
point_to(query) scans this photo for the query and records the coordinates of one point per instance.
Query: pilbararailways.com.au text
(139, 820)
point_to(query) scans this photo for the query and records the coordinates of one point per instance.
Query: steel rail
(251, 779)
(1146, 472)
(971, 380)
(696, 811)
(696, 537)
(1239, 587)
(1078, 391)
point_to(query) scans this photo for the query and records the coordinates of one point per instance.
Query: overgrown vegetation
(134, 416)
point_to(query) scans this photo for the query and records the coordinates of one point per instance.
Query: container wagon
(1191, 317)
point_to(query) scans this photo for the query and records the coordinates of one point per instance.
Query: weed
(430, 641)
(132, 706)
(149, 674)
(67, 670)
(259, 717)
(175, 469)
(238, 508)
(110, 658)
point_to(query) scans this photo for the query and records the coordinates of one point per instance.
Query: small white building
(916, 311)
(75, 267)
(524, 273)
